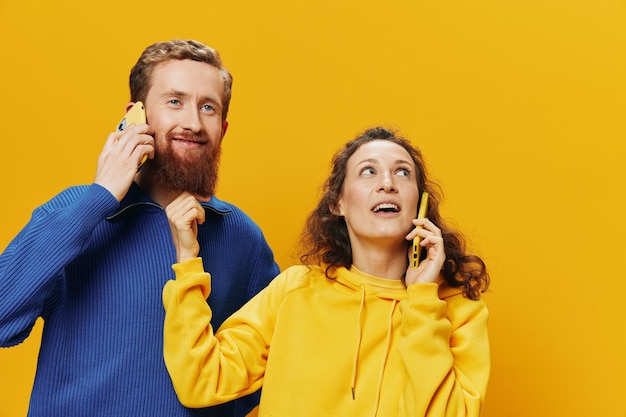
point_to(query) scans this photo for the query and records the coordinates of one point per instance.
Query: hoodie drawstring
(355, 362)
(385, 356)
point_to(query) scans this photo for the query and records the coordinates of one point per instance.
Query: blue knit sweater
(94, 270)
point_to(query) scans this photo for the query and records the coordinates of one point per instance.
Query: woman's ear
(336, 209)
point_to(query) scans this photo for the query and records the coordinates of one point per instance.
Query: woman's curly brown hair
(325, 237)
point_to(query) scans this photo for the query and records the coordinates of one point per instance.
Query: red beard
(194, 173)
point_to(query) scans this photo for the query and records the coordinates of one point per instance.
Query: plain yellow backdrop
(518, 106)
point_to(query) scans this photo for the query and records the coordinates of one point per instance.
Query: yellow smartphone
(136, 115)
(417, 249)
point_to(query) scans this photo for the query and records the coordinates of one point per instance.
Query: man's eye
(175, 101)
(208, 107)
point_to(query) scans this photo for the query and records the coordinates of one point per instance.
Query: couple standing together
(355, 330)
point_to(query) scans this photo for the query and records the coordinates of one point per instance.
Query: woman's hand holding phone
(427, 235)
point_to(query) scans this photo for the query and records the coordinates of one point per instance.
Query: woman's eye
(404, 172)
(368, 171)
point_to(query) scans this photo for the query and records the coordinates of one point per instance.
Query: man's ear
(224, 128)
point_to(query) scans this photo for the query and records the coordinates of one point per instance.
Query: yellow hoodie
(355, 346)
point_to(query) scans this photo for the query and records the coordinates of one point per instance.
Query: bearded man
(93, 260)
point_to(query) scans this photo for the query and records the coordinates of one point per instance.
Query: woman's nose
(387, 185)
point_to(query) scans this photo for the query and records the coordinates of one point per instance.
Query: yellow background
(518, 106)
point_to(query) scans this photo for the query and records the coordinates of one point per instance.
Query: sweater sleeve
(264, 268)
(32, 265)
(209, 368)
(444, 345)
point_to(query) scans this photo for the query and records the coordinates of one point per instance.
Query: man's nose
(191, 119)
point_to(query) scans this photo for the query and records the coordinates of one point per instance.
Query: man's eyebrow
(178, 93)
(213, 100)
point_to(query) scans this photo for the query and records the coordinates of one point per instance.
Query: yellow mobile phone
(417, 249)
(136, 115)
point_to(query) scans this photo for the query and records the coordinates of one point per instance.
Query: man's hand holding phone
(124, 152)
(136, 115)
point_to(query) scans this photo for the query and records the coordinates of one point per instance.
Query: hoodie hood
(358, 281)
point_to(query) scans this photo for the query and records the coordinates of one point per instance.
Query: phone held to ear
(136, 115)
(417, 249)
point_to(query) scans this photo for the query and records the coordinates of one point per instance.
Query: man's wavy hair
(180, 49)
(325, 239)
